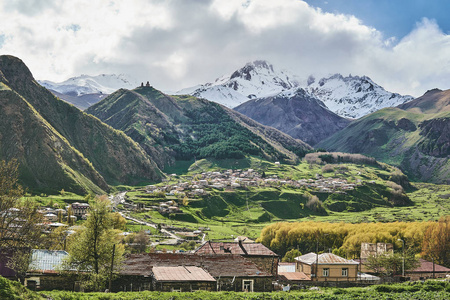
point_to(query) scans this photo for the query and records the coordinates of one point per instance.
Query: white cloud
(179, 43)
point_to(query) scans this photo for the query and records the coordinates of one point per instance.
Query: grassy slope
(47, 160)
(114, 155)
(380, 135)
(246, 212)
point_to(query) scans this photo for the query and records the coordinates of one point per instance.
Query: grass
(247, 211)
(411, 291)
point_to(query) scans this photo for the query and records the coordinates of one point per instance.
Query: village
(237, 265)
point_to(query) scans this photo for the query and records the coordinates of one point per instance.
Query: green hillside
(180, 128)
(418, 143)
(59, 146)
(381, 193)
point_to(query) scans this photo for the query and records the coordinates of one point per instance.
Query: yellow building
(327, 266)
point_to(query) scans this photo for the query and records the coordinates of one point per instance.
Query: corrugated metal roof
(324, 258)
(180, 273)
(46, 260)
(293, 276)
(216, 265)
(256, 249)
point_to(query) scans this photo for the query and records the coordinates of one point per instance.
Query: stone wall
(131, 283)
(268, 264)
(51, 282)
(372, 249)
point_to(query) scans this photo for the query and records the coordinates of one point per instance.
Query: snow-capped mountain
(255, 80)
(353, 96)
(85, 84)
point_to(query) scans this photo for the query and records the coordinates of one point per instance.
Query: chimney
(242, 247)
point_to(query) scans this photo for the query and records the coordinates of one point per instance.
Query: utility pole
(112, 266)
(403, 257)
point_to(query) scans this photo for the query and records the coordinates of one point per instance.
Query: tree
(390, 264)
(20, 228)
(91, 248)
(118, 221)
(138, 242)
(291, 255)
(436, 242)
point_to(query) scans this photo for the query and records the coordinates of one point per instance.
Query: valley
(223, 203)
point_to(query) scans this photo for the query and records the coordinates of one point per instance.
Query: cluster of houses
(232, 179)
(54, 217)
(242, 265)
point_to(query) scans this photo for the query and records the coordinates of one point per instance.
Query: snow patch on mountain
(353, 96)
(86, 84)
(255, 80)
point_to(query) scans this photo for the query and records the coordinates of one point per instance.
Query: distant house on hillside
(80, 209)
(327, 267)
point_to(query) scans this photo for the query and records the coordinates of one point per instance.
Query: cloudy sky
(404, 45)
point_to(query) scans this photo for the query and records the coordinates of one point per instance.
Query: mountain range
(353, 96)
(414, 136)
(85, 90)
(349, 97)
(57, 145)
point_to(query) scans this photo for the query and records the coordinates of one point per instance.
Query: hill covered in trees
(174, 128)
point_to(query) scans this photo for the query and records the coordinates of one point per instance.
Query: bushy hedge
(434, 290)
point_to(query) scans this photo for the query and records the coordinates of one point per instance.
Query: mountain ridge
(417, 142)
(295, 113)
(183, 127)
(112, 154)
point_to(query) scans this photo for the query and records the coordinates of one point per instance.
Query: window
(326, 272)
(247, 285)
(344, 272)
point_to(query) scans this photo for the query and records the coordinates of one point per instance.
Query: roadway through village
(120, 198)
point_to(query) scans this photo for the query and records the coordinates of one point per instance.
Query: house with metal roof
(327, 267)
(44, 270)
(231, 272)
(263, 257)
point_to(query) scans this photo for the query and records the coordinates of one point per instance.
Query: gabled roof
(46, 261)
(325, 259)
(190, 273)
(251, 249)
(216, 265)
(427, 267)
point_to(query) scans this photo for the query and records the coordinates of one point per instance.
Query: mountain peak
(14, 70)
(255, 80)
(353, 96)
